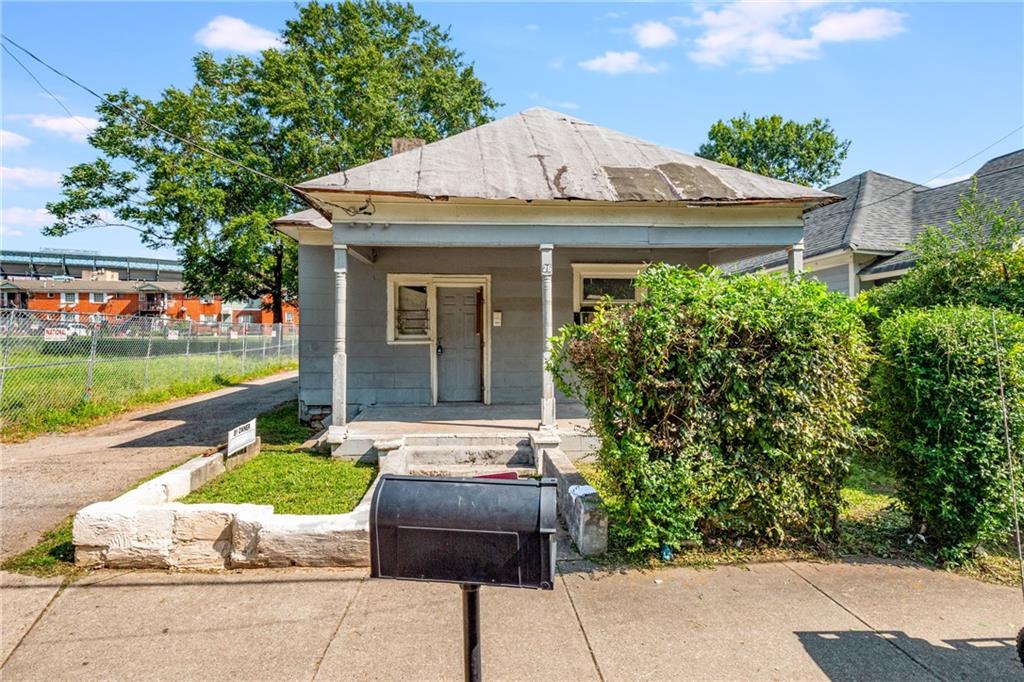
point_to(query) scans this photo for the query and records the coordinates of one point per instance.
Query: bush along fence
(53, 364)
(726, 406)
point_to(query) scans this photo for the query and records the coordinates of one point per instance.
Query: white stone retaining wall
(579, 505)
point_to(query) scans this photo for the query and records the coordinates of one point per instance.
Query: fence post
(263, 339)
(219, 326)
(92, 363)
(279, 330)
(188, 341)
(7, 339)
(245, 334)
(149, 351)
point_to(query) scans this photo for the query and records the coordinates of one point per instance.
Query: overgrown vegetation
(292, 480)
(725, 406)
(938, 407)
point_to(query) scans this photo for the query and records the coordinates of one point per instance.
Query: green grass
(293, 481)
(871, 524)
(53, 555)
(46, 399)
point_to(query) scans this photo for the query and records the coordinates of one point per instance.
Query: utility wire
(54, 97)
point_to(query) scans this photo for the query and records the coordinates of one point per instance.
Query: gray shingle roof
(539, 154)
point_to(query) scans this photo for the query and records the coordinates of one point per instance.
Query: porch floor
(462, 418)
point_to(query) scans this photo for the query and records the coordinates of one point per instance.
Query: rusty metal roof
(539, 154)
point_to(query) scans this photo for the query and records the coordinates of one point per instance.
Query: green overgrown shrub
(936, 401)
(725, 405)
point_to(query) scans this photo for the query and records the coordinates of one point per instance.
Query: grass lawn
(54, 554)
(46, 399)
(295, 482)
(872, 524)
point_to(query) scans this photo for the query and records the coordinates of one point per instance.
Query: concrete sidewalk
(45, 479)
(781, 621)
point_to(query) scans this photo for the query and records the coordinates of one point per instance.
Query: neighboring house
(258, 311)
(443, 269)
(52, 262)
(862, 242)
(104, 293)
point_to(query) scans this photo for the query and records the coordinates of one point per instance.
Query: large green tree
(804, 153)
(345, 79)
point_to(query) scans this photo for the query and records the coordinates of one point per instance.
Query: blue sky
(917, 87)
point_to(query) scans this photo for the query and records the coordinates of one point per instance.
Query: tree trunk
(277, 295)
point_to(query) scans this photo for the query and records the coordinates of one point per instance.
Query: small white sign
(172, 334)
(232, 334)
(55, 334)
(241, 436)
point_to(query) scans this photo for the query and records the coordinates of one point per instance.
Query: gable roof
(884, 214)
(539, 154)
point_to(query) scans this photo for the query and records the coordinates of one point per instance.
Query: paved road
(781, 621)
(47, 478)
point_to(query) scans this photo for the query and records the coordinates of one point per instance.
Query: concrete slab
(413, 631)
(23, 599)
(722, 624)
(251, 625)
(474, 418)
(956, 627)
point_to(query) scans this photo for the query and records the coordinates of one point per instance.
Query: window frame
(94, 294)
(398, 280)
(65, 295)
(581, 271)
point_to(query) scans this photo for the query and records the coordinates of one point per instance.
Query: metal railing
(54, 363)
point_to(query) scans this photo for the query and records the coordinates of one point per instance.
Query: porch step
(521, 438)
(454, 454)
(468, 470)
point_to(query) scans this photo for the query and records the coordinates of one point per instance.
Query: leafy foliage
(725, 405)
(804, 153)
(937, 403)
(346, 79)
(975, 260)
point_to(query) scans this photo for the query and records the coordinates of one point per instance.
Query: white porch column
(796, 258)
(547, 401)
(339, 368)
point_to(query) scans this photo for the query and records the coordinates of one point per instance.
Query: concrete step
(468, 470)
(467, 439)
(454, 454)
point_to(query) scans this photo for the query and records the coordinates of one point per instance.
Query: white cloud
(532, 27)
(615, 63)
(653, 34)
(76, 128)
(767, 34)
(231, 33)
(13, 217)
(14, 176)
(939, 182)
(12, 140)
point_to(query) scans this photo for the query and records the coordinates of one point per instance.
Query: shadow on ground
(205, 421)
(866, 655)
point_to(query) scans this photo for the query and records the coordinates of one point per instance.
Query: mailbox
(472, 531)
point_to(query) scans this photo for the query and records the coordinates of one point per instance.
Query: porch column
(340, 358)
(547, 401)
(796, 258)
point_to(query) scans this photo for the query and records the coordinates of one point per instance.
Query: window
(206, 300)
(97, 298)
(596, 282)
(289, 317)
(408, 309)
(69, 298)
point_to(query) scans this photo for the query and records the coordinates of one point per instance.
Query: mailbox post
(467, 531)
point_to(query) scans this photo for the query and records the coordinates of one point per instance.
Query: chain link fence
(53, 362)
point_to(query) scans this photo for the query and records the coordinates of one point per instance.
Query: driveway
(44, 480)
(780, 621)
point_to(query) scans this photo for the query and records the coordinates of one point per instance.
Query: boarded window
(412, 317)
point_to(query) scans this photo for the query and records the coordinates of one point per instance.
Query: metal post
(471, 631)
(188, 342)
(245, 333)
(279, 330)
(149, 351)
(219, 326)
(7, 340)
(92, 363)
(263, 338)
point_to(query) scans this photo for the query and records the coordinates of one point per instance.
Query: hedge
(937, 404)
(725, 405)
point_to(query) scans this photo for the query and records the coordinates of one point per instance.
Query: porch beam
(597, 236)
(795, 257)
(339, 366)
(547, 401)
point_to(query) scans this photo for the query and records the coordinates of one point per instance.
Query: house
(862, 242)
(258, 311)
(434, 276)
(102, 292)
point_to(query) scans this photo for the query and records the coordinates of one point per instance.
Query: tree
(345, 79)
(804, 153)
(975, 260)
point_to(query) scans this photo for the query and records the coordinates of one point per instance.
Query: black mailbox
(472, 531)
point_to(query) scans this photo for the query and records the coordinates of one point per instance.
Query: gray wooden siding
(380, 373)
(836, 278)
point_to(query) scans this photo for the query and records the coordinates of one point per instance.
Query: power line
(54, 97)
